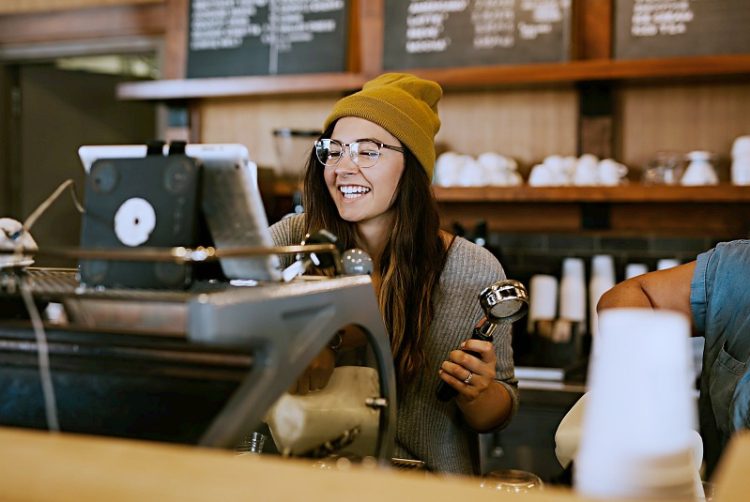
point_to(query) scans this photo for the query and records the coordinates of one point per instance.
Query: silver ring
(467, 380)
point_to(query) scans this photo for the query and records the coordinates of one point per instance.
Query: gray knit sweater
(428, 429)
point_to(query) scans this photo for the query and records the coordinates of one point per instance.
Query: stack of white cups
(637, 437)
(602, 280)
(741, 161)
(573, 291)
(542, 300)
(635, 269)
(572, 318)
(666, 263)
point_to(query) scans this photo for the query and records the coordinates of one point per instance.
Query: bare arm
(663, 289)
(319, 371)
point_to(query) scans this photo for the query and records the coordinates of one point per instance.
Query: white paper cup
(543, 297)
(635, 269)
(638, 438)
(666, 263)
(602, 280)
(573, 291)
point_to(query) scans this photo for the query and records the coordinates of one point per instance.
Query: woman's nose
(346, 165)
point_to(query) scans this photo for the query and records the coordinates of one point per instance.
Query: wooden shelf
(466, 77)
(596, 69)
(719, 211)
(240, 86)
(635, 193)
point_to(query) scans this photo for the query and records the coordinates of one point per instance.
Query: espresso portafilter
(503, 302)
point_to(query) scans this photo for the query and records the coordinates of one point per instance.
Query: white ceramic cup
(540, 176)
(447, 169)
(472, 174)
(741, 170)
(611, 173)
(741, 146)
(699, 171)
(587, 171)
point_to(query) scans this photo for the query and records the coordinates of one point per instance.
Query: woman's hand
(317, 374)
(470, 374)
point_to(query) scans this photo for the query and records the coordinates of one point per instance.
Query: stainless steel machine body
(252, 342)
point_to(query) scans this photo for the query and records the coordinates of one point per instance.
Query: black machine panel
(145, 202)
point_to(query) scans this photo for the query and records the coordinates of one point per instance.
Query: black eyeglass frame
(347, 146)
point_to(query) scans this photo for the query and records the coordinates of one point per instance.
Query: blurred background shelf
(588, 70)
(722, 211)
(240, 86)
(626, 193)
(465, 77)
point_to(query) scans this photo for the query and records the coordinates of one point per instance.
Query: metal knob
(356, 262)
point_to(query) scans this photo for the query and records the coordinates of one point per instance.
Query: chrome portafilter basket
(504, 301)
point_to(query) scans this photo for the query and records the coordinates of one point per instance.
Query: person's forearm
(488, 410)
(352, 337)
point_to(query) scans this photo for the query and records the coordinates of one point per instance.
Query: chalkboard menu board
(441, 33)
(266, 37)
(666, 28)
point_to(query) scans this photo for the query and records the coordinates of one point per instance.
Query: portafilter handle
(504, 301)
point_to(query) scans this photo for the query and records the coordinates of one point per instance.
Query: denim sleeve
(719, 296)
(698, 287)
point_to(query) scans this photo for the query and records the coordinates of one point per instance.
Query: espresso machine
(179, 341)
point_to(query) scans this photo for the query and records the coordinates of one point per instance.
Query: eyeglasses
(364, 153)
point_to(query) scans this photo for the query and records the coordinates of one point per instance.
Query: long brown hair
(412, 260)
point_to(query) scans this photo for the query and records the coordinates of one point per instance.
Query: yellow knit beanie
(402, 104)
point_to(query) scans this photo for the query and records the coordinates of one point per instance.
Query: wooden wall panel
(85, 24)
(252, 121)
(527, 125)
(176, 40)
(729, 221)
(514, 218)
(18, 6)
(681, 117)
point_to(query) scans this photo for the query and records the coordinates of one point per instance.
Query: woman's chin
(350, 216)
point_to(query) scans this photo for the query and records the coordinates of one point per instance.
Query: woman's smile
(353, 192)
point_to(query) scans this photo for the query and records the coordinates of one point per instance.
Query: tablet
(230, 201)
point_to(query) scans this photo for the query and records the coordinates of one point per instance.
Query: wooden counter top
(37, 465)
(42, 466)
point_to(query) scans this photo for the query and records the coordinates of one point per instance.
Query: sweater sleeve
(469, 270)
(288, 231)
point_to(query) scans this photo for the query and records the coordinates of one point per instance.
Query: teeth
(352, 191)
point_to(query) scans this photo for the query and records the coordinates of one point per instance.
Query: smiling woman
(367, 181)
